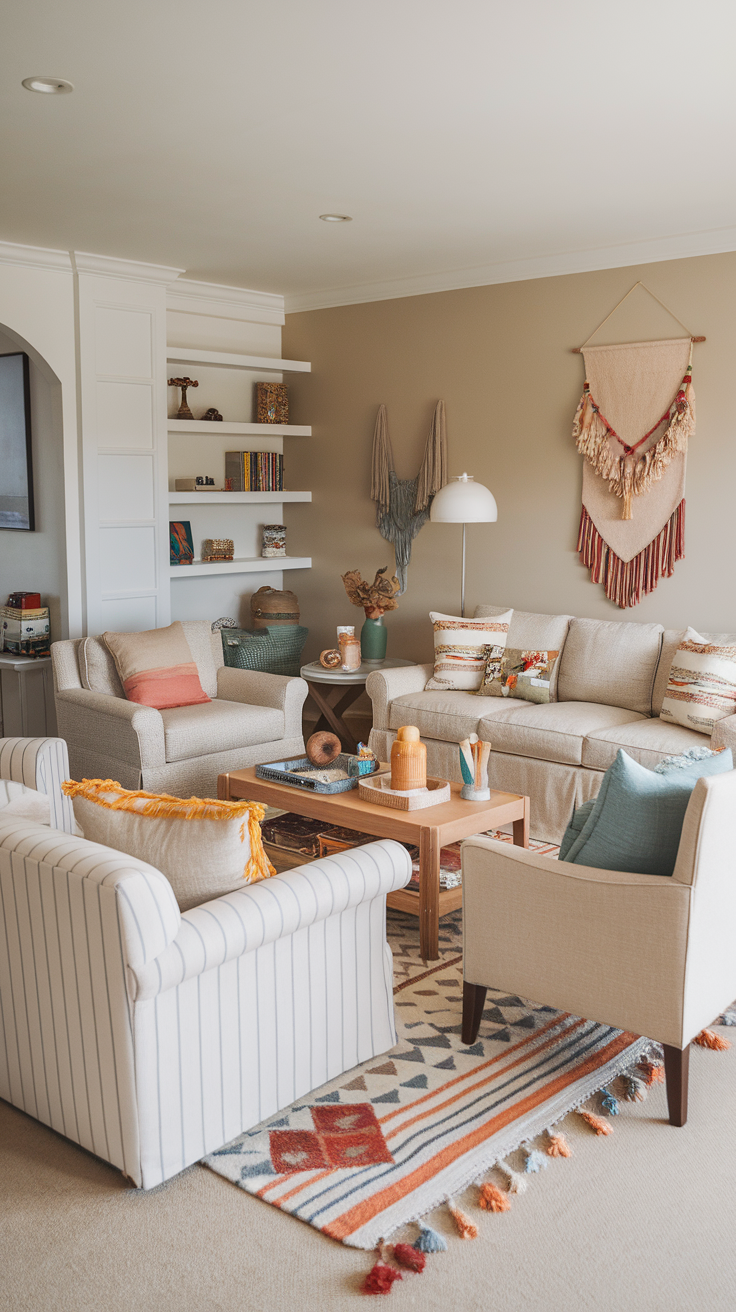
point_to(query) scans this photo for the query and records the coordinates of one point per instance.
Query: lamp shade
(463, 501)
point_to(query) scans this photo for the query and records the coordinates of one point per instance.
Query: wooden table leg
(223, 787)
(429, 894)
(332, 714)
(521, 827)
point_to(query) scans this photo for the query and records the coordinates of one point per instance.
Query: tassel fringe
(609, 1103)
(626, 582)
(558, 1146)
(535, 1161)
(635, 1089)
(596, 1123)
(465, 1227)
(493, 1199)
(651, 1073)
(410, 1257)
(709, 1039)
(517, 1182)
(429, 1241)
(380, 1278)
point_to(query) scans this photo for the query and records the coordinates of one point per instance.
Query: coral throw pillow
(702, 685)
(203, 846)
(463, 647)
(156, 668)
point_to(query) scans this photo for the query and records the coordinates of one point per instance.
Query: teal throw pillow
(636, 820)
(575, 827)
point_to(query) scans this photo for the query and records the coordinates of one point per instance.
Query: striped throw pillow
(702, 685)
(462, 648)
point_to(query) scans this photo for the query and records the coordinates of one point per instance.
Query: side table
(26, 699)
(333, 691)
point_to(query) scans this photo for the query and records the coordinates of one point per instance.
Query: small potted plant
(375, 598)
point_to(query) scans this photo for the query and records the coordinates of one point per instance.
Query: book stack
(24, 625)
(254, 471)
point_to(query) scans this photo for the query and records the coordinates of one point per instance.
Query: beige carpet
(641, 1220)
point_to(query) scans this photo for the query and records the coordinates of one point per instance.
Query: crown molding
(189, 296)
(35, 257)
(717, 241)
(109, 266)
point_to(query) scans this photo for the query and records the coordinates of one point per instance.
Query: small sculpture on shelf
(183, 412)
(375, 598)
(218, 549)
(274, 540)
(212, 414)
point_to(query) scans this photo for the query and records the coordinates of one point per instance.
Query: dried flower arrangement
(375, 597)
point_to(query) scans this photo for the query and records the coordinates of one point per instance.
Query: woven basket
(275, 650)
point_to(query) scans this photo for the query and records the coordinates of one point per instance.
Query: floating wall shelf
(234, 429)
(254, 565)
(185, 355)
(235, 498)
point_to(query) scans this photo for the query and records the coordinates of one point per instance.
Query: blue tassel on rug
(609, 1103)
(429, 1241)
(535, 1161)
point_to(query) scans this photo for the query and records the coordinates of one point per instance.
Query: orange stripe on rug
(363, 1212)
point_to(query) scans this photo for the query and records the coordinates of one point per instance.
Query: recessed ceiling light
(50, 86)
(336, 218)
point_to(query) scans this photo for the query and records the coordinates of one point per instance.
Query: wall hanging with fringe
(402, 504)
(633, 424)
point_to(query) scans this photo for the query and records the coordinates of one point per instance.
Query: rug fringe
(596, 1122)
(465, 1227)
(493, 1199)
(708, 1039)
(558, 1146)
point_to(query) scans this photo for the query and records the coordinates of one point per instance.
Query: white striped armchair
(152, 1037)
(43, 764)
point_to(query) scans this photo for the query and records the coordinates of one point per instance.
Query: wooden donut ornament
(330, 659)
(322, 748)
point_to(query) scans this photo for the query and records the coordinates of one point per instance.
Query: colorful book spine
(254, 471)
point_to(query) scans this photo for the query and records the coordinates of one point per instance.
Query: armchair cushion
(97, 670)
(156, 667)
(636, 821)
(204, 848)
(218, 726)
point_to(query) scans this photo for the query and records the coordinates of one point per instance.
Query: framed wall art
(16, 472)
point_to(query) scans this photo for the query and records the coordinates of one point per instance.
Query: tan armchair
(252, 718)
(647, 954)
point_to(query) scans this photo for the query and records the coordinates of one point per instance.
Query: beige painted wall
(500, 358)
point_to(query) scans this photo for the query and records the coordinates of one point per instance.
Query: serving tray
(281, 772)
(376, 789)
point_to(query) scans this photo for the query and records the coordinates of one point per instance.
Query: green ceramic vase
(373, 640)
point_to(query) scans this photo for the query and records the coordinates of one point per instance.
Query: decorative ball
(322, 748)
(330, 659)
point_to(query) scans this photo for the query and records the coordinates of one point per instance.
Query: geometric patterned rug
(384, 1144)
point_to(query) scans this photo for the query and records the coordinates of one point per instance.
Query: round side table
(333, 691)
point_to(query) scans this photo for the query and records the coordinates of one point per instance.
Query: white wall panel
(125, 487)
(126, 614)
(123, 342)
(127, 560)
(124, 414)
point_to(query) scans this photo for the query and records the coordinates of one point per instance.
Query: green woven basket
(276, 650)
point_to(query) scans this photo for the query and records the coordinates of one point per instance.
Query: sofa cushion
(448, 716)
(646, 741)
(612, 663)
(533, 632)
(218, 726)
(97, 669)
(555, 732)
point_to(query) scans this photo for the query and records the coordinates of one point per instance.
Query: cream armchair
(644, 953)
(252, 718)
(43, 764)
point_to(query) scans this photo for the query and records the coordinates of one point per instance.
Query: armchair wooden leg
(676, 1070)
(474, 1000)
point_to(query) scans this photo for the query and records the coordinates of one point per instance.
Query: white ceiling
(471, 140)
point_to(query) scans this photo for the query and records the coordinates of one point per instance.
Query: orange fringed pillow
(204, 847)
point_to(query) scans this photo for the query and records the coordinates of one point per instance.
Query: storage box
(25, 637)
(25, 600)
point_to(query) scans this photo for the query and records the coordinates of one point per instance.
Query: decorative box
(272, 403)
(218, 549)
(25, 633)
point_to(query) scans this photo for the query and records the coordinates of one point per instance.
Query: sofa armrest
(724, 734)
(383, 685)
(40, 763)
(130, 732)
(257, 688)
(257, 914)
(608, 946)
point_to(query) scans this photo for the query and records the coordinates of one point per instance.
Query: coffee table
(333, 691)
(430, 829)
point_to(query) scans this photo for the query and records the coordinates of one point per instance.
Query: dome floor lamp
(463, 501)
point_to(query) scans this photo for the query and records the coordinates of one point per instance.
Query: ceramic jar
(408, 760)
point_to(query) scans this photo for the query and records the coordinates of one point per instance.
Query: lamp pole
(462, 583)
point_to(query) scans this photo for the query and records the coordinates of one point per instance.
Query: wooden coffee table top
(455, 819)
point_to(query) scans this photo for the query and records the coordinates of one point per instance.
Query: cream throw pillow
(462, 648)
(23, 803)
(204, 847)
(702, 685)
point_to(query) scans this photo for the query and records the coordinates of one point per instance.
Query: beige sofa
(252, 718)
(610, 681)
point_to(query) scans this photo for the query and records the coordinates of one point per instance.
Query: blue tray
(281, 772)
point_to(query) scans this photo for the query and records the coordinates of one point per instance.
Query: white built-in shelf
(185, 355)
(235, 498)
(252, 565)
(234, 429)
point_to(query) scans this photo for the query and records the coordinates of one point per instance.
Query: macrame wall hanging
(632, 425)
(402, 504)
